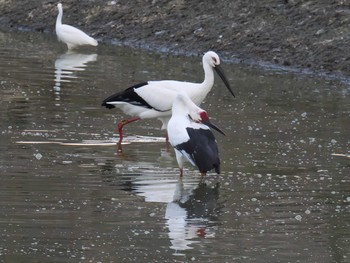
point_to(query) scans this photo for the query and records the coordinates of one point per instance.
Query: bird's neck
(179, 108)
(59, 17)
(208, 81)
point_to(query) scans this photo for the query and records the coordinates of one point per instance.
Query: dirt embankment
(308, 34)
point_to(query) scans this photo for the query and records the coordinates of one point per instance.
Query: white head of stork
(70, 35)
(191, 137)
(154, 99)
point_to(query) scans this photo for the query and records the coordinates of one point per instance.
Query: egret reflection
(67, 64)
(192, 207)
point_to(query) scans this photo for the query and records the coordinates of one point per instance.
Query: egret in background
(191, 137)
(70, 35)
(154, 99)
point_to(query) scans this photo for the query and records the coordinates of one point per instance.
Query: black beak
(221, 74)
(213, 126)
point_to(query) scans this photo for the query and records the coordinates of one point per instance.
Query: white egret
(70, 35)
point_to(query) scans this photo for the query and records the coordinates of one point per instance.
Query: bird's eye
(214, 60)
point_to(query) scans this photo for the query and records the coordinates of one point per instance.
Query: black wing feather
(203, 149)
(129, 95)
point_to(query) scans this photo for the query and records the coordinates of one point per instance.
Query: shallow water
(66, 195)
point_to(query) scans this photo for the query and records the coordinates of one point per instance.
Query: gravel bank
(297, 34)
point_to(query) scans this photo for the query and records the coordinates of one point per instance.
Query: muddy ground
(294, 33)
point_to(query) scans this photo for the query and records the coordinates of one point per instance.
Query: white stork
(154, 99)
(70, 35)
(191, 137)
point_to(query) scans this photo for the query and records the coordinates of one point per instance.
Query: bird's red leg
(166, 136)
(181, 172)
(120, 126)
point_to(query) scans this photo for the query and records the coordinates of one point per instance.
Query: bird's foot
(119, 146)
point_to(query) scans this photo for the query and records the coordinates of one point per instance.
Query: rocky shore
(312, 35)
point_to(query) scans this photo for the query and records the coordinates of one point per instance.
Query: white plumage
(154, 99)
(191, 137)
(70, 35)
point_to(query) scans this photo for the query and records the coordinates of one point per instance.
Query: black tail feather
(128, 96)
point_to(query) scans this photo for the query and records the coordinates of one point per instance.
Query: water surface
(66, 195)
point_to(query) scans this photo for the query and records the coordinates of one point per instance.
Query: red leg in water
(121, 124)
(181, 172)
(166, 136)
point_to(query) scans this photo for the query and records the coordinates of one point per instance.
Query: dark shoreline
(287, 36)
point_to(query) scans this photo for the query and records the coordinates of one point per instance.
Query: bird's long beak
(221, 74)
(213, 126)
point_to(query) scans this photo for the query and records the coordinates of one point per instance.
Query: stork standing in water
(154, 99)
(191, 137)
(70, 35)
